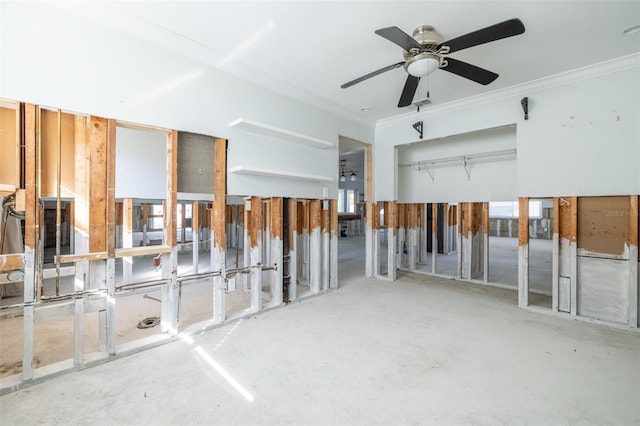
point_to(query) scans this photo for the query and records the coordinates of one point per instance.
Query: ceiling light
(343, 178)
(631, 30)
(353, 176)
(422, 64)
(365, 109)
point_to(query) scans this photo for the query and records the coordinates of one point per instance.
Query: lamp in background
(344, 170)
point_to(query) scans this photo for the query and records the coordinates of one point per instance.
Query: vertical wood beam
(31, 135)
(555, 256)
(315, 245)
(633, 261)
(246, 252)
(110, 233)
(169, 312)
(573, 236)
(255, 237)
(370, 256)
(523, 252)
(459, 219)
(127, 239)
(333, 269)
(391, 217)
(325, 244)
(218, 225)
(293, 248)
(434, 236)
(485, 241)
(276, 251)
(195, 236)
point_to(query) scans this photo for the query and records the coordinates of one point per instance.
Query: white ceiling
(307, 49)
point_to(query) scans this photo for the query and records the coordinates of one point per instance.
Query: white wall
(493, 179)
(582, 136)
(52, 57)
(141, 164)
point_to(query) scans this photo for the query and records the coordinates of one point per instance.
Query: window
(341, 201)
(511, 209)
(351, 201)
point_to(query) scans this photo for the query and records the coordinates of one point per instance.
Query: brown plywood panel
(49, 157)
(603, 224)
(8, 147)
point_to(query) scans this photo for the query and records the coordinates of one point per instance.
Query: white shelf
(259, 171)
(278, 133)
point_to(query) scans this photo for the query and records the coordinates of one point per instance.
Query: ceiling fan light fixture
(423, 64)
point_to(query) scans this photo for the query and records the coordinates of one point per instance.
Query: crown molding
(584, 73)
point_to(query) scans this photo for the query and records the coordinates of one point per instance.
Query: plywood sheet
(603, 224)
(49, 158)
(8, 146)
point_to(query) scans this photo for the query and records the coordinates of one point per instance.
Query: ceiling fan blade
(399, 37)
(372, 74)
(463, 69)
(410, 87)
(495, 32)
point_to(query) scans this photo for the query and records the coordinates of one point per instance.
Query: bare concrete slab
(421, 350)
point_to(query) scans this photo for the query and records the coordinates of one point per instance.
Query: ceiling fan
(426, 51)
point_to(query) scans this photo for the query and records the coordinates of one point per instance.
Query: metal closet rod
(462, 158)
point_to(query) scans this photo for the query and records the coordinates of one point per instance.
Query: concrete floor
(421, 350)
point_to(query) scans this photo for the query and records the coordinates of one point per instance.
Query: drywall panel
(195, 163)
(603, 225)
(141, 164)
(603, 288)
(489, 179)
(114, 75)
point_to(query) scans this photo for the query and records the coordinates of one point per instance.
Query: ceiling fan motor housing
(429, 40)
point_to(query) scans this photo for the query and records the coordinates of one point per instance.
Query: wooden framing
(294, 231)
(276, 231)
(434, 236)
(523, 252)
(195, 236)
(485, 242)
(32, 231)
(255, 237)
(634, 258)
(333, 263)
(370, 255)
(218, 226)
(315, 245)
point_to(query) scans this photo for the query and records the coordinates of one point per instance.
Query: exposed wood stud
(294, 231)
(276, 232)
(523, 252)
(485, 241)
(333, 280)
(573, 235)
(255, 237)
(195, 235)
(31, 249)
(634, 257)
(169, 312)
(555, 256)
(315, 245)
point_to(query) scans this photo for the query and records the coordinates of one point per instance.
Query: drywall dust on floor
(420, 350)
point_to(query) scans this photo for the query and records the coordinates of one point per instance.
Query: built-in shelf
(278, 133)
(259, 171)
